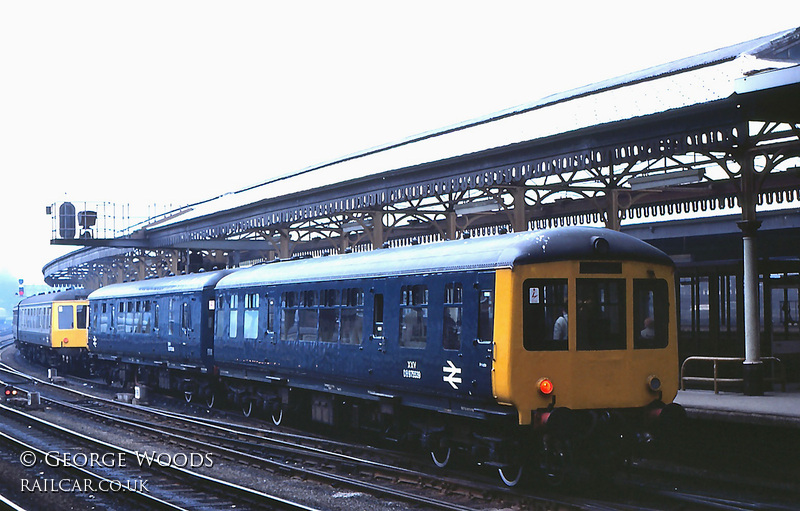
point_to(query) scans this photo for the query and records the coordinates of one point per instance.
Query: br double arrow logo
(450, 374)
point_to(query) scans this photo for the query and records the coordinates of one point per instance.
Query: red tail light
(545, 386)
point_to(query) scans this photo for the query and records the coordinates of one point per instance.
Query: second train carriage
(159, 328)
(510, 345)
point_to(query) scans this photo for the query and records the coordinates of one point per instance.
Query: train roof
(487, 253)
(71, 294)
(167, 285)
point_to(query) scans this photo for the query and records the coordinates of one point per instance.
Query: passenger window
(601, 314)
(289, 316)
(451, 320)
(545, 323)
(352, 316)
(147, 317)
(251, 316)
(414, 316)
(329, 315)
(650, 314)
(308, 316)
(233, 316)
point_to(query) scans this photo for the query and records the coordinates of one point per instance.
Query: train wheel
(441, 456)
(247, 408)
(188, 395)
(510, 475)
(277, 417)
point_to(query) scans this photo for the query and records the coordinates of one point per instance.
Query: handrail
(780, 377)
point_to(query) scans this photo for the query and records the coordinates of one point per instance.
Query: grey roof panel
(167, 285)
(487, 253)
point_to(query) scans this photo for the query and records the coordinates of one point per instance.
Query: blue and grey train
(453, 344)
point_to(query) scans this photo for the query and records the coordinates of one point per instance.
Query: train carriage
(517, 349)
(51, 329)
(161, 328)
(502, 334)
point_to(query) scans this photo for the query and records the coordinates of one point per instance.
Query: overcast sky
(168, 102)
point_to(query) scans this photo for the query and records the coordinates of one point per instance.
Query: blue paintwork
(177, 347)
(455, 380)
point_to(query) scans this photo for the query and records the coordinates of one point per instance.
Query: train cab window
(600, 314)
(81, 316)
(352, 322)
(486, 315)
(414, 316)
(544, 315)
(251, 316)
(451, 317)
(650, 313)
(66, 320)
(377, 316)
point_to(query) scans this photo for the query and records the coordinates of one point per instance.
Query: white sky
(168, 102)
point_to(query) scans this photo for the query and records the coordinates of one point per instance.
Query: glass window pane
(600, 314)
(251, 324)
(329, 325)
(451, 328)
(65, 319)
(650, 314)
(486, 315)
(414, 317)
(545, 320)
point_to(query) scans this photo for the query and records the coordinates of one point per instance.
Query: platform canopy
(664, 143)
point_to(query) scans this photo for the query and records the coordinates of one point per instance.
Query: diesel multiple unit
(514, 348)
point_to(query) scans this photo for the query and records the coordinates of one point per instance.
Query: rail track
(385, 473)
(151, 483)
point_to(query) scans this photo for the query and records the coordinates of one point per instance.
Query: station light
(664, 179)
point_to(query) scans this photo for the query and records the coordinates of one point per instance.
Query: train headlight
(545, 386)
(654, 383)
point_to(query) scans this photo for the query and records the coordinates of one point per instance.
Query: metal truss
(737, 154)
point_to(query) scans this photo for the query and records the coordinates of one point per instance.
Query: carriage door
(376, 323)
(478, 330)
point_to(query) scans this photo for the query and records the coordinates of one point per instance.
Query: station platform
(774, 408)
